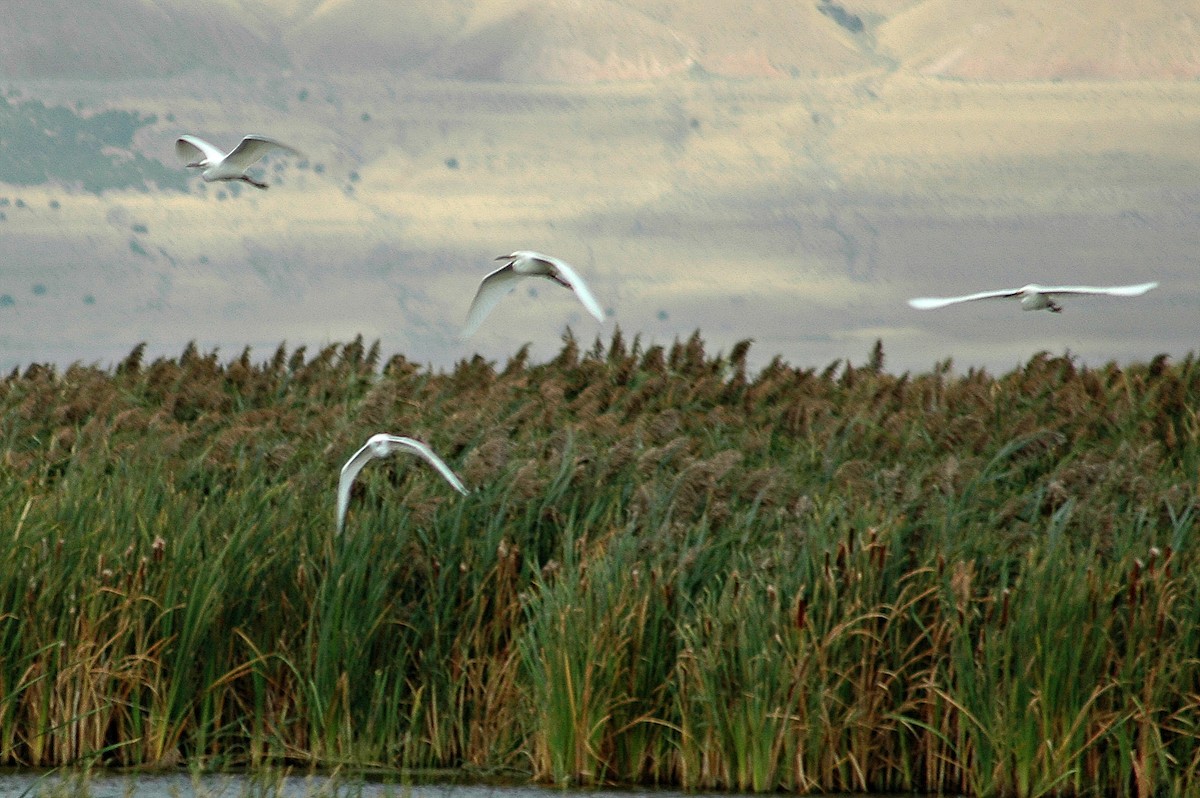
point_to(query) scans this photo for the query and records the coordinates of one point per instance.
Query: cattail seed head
(1134, 578)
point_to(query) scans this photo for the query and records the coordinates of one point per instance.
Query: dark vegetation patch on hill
(54, 144)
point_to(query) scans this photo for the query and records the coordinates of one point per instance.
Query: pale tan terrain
(766, 174)
(572, 41)
(986, 40)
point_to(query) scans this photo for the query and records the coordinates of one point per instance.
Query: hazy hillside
(575, 41)
(40, 143)
(370, 34)
(765, 38)
(695, 161)
(131, 38)
(986, 40)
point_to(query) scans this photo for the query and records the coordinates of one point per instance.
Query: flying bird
(382, 445)
(525, 263)
(216, 165)
(1034, 297)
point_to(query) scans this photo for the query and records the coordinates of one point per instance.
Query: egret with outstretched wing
(382, 445)
(1034, 297)
(526, 263)
(216, 165)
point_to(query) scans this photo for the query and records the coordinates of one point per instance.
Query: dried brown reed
(672, 570)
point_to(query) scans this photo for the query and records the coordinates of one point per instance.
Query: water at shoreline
(27, 784)
(64, 784)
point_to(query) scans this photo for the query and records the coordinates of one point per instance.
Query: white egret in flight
(526, 263)
(1034, 297)
(216, 165)
(382, 445)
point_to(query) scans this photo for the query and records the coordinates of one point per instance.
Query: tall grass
(670, 571)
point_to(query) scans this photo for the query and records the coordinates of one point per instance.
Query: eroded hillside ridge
(585, 41)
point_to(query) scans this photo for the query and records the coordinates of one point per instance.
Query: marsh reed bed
(671, 571)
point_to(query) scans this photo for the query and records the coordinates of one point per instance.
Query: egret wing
(1114, 290)
(191, 149)
(252, 148)
(494, 287)
(421, 450)
(572, 278)
(346, 481)
(930, 303)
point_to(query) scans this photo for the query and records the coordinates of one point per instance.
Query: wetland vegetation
(670, 571)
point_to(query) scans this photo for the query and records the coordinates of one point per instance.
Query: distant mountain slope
(763, 38)
(105, 39)
(571, 41)
(580, 41)
(371, 34)
(51, 144)
(1026, 40)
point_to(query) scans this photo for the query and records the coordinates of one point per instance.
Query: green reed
(669, 571)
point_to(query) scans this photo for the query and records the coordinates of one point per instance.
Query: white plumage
(382, 445)
(216, 165)
(1034, 297)
(526, 263)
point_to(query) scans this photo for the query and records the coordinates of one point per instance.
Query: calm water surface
(26, 784)
(18, 784)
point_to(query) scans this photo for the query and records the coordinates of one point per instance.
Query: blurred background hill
(604, 40)
(785, 171)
